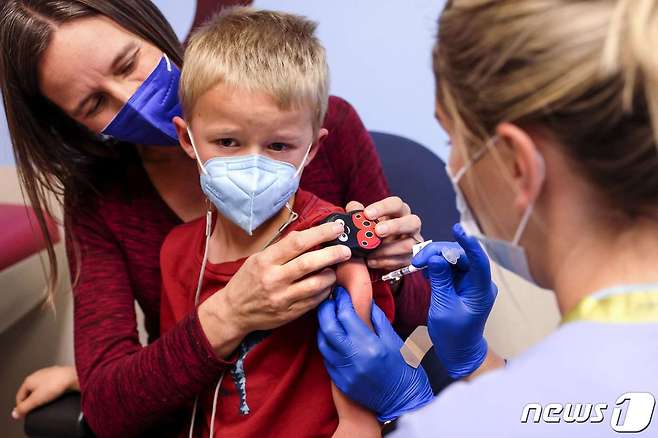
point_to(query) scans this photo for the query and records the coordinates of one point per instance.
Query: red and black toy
(359, 233)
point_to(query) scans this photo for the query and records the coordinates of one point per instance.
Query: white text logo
(632, 412)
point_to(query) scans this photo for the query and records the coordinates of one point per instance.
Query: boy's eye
(226, 142)
(278, 147)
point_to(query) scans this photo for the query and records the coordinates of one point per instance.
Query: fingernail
(371, 212)
(381, 229)
(346, 252)
(338, 228)
(372, 263)
(14, 414)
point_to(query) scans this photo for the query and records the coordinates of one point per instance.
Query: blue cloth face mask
(146, 117)
(509, 255)
(250, 189)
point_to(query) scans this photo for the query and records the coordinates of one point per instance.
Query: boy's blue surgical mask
(147, 116)
(249, 189)
(509, 255)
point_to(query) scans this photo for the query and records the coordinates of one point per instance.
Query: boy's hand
(43, 386)
(398, 228)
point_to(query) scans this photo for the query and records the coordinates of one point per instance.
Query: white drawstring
(196, 401)
(205, 256)
(214, 406)
(214, 410)
(196, 303)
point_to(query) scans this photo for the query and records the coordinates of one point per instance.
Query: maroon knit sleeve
(127, 389)
(411, 304)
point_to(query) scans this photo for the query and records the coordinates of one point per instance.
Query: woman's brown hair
(53, 153)
(585, 69)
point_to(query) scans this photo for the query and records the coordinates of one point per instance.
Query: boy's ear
(183, 136)
(322, 133)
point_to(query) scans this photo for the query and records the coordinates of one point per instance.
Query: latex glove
(462, 297)
(367, 366)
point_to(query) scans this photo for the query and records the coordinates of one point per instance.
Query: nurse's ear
(183, 136)
(322, 134)
(524, 161)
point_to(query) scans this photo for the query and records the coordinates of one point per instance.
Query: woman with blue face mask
(90, 89)
(552, 109)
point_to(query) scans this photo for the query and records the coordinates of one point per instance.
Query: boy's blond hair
(272, 52)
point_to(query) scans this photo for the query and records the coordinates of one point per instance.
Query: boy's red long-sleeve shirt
(278, 386)
(129, 390)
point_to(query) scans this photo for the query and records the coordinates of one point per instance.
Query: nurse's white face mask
(509, 255)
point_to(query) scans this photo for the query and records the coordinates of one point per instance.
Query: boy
(254, 91)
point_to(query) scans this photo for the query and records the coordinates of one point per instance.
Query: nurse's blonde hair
(587, 70)
(272, 52)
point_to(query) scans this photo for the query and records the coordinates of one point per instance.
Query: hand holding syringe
(451, 252)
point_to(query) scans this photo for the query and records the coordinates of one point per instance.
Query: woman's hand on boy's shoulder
(274, 287)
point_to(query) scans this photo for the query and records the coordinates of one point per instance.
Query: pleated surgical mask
(508, 254)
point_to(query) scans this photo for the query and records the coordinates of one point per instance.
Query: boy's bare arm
(354, 419)
(354, 277)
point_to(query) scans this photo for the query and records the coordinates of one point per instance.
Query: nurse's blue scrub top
(581, 362)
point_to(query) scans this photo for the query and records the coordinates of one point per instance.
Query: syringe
(399, 273)
(450, 254)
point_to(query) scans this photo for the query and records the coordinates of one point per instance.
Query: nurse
(552, 110)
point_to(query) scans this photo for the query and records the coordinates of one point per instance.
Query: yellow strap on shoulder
(631, 307)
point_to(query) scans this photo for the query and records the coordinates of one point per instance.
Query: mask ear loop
(524, 222)
(301, 166)
(528, 212)
(196, 151)
(293, 216)
(472, 160)
(299, 171)
(168, 61)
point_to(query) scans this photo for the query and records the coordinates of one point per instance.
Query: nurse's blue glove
(462, 297)
(367, 366)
